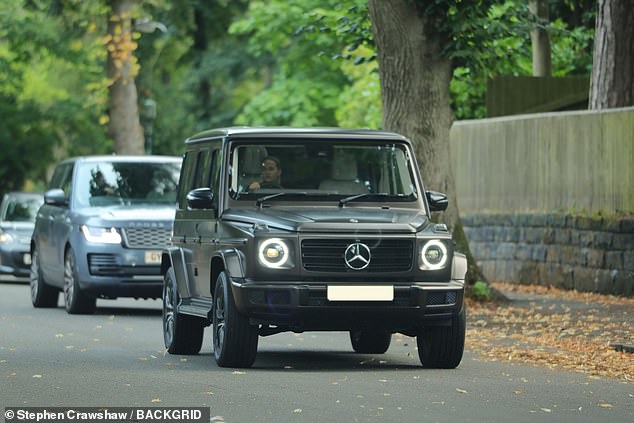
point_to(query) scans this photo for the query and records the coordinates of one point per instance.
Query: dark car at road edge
(17, 217)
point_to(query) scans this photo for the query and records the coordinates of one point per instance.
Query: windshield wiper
(260, 201)
(346, 200)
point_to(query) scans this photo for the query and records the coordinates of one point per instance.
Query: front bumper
(15, 261)
(112, 272)
(304, 306)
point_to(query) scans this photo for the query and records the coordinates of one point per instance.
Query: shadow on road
(319, 361)
(125, 311)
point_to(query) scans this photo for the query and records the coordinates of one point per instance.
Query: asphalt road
(116, 358)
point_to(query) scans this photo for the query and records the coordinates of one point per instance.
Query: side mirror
(55, 197)
(437, 201)
(200, 198)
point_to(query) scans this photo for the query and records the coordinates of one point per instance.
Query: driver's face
(270, 171)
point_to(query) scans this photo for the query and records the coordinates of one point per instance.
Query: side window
(216, 164)
(58, 176)
(185, 180)
(215, 170)
(62, 178)
(201, 178)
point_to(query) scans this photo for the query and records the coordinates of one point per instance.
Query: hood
(124, 214)
(348, 219)
(26, 227)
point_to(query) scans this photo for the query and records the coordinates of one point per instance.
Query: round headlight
(273, 253)
(434, 255)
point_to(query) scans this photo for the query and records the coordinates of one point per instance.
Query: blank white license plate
(360, 293)
(152, 257)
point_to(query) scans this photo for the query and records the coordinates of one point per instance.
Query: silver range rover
(101, 229)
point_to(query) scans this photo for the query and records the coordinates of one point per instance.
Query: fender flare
(177, 258)
(459, 267)
(233, 262)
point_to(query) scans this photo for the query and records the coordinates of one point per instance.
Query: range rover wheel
(370, 342)
(182, 334)
(75, 301)
(42, 294)
(441, 347)
(235, 341)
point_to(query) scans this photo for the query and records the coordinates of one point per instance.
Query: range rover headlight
(101, 235)
(273, 253)
(433, 255)
(5, 238)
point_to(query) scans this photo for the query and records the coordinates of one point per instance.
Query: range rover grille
(327, 255)
(147, 237)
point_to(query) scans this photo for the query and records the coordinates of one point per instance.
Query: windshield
(22, 209)
(129, 183)
(322, 169)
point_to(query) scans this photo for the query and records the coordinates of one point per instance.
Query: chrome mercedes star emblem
(357, 256)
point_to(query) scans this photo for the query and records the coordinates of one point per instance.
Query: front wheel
(75, 301)
(182, 334)
(441, 347)
(235, 340)
(42, 294)
(370, 342)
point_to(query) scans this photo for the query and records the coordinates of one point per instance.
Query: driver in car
(271, 173)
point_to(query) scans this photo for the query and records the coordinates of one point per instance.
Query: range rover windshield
(326, 170)
(117, 183)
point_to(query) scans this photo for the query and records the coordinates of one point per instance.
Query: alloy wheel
(69, 279)
(34, 275)
(168, 313)
(219, 313)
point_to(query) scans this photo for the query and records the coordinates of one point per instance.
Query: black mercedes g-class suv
(282, 229)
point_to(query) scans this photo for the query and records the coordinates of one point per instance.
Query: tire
(182, 334)
(42, 294)
(441, 347)
(235, 340)
(75, 301)
(370, 342)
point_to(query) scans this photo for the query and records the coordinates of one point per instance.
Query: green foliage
(504, 48)
(360, 102)
(50, 68)
(221, 62)
(481, 291)
(311, 82)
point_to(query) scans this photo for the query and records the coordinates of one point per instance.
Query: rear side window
(185, 181)
(201, 169)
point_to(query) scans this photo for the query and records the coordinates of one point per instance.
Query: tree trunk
(540, 40)
(612, 82)
(124, 126)
(416, 101)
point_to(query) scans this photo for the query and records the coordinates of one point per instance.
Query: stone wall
(565, 251)
(522, 182)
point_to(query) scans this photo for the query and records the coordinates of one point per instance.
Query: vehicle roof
(23, 194)
(288, 132)
(122, 159)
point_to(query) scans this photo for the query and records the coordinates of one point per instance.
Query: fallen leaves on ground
(560, 329)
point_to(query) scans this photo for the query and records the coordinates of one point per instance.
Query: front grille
(442, 298)
(147, 237)
(327, 255)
